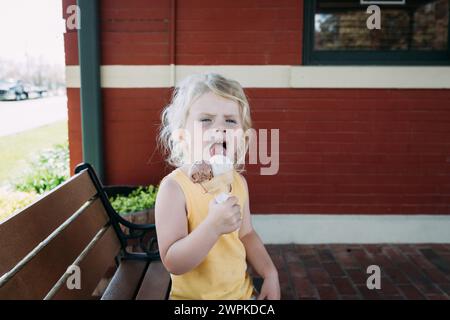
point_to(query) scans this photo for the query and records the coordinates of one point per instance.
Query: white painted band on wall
(274, 76)
(320, 228)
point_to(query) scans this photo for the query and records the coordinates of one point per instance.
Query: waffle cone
(219, 184)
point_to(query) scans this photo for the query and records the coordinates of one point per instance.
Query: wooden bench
(75, 225)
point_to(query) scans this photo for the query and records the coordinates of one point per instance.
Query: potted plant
(134, 203)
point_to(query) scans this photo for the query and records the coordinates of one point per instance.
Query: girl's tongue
(217, 148)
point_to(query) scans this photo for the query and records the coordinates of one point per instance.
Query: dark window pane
(416, 25)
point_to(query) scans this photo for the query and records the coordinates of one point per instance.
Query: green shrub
(47, 170)
(139, 199)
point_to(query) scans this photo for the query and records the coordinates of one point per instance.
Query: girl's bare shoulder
(169, 185)
(244, 181)
(170, 192)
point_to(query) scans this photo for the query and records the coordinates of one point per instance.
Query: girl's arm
(257, 255)
(180, 250)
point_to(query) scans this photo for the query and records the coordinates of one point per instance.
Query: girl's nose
(220, 133)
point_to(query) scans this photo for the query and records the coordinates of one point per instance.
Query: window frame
(365, 57)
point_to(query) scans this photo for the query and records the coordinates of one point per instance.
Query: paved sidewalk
(19, 116)
(333, 271)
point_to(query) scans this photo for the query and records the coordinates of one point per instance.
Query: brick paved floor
(338, 271)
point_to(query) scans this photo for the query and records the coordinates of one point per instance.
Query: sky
(33, 27)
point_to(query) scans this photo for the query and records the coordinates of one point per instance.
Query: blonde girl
(206, 245)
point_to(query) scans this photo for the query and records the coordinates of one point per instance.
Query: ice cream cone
(219, 185)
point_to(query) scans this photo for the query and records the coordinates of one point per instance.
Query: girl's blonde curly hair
(174, 115)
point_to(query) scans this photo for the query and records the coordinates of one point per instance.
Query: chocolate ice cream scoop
(215, 176)
(200, 171)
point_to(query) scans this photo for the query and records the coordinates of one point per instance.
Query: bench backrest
(39, 243)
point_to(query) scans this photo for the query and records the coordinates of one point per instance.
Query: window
(413, 33)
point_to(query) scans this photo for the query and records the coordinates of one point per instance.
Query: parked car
(43, 92)
(33, 92)
(7, 92)
(12, 90)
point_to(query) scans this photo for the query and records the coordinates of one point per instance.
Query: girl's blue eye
(205, 120)
(231, 120)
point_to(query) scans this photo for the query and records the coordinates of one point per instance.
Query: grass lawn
(17, 148)
(15, 151)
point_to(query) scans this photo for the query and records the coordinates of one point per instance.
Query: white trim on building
(274, 76)
(323, 228)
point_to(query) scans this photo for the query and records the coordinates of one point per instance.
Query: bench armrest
(135, 231)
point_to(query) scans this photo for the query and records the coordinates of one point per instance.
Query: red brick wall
(207, 32)
(355, 151)
(342, 151)
(239, 32)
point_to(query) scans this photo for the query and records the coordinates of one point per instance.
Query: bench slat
(126, 281)
(38, 276)
(22, 232)
(93, 267)
(156, 283)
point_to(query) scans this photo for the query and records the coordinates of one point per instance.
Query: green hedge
(47, 170)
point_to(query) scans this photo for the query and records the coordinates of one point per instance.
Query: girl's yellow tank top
(223, 274)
